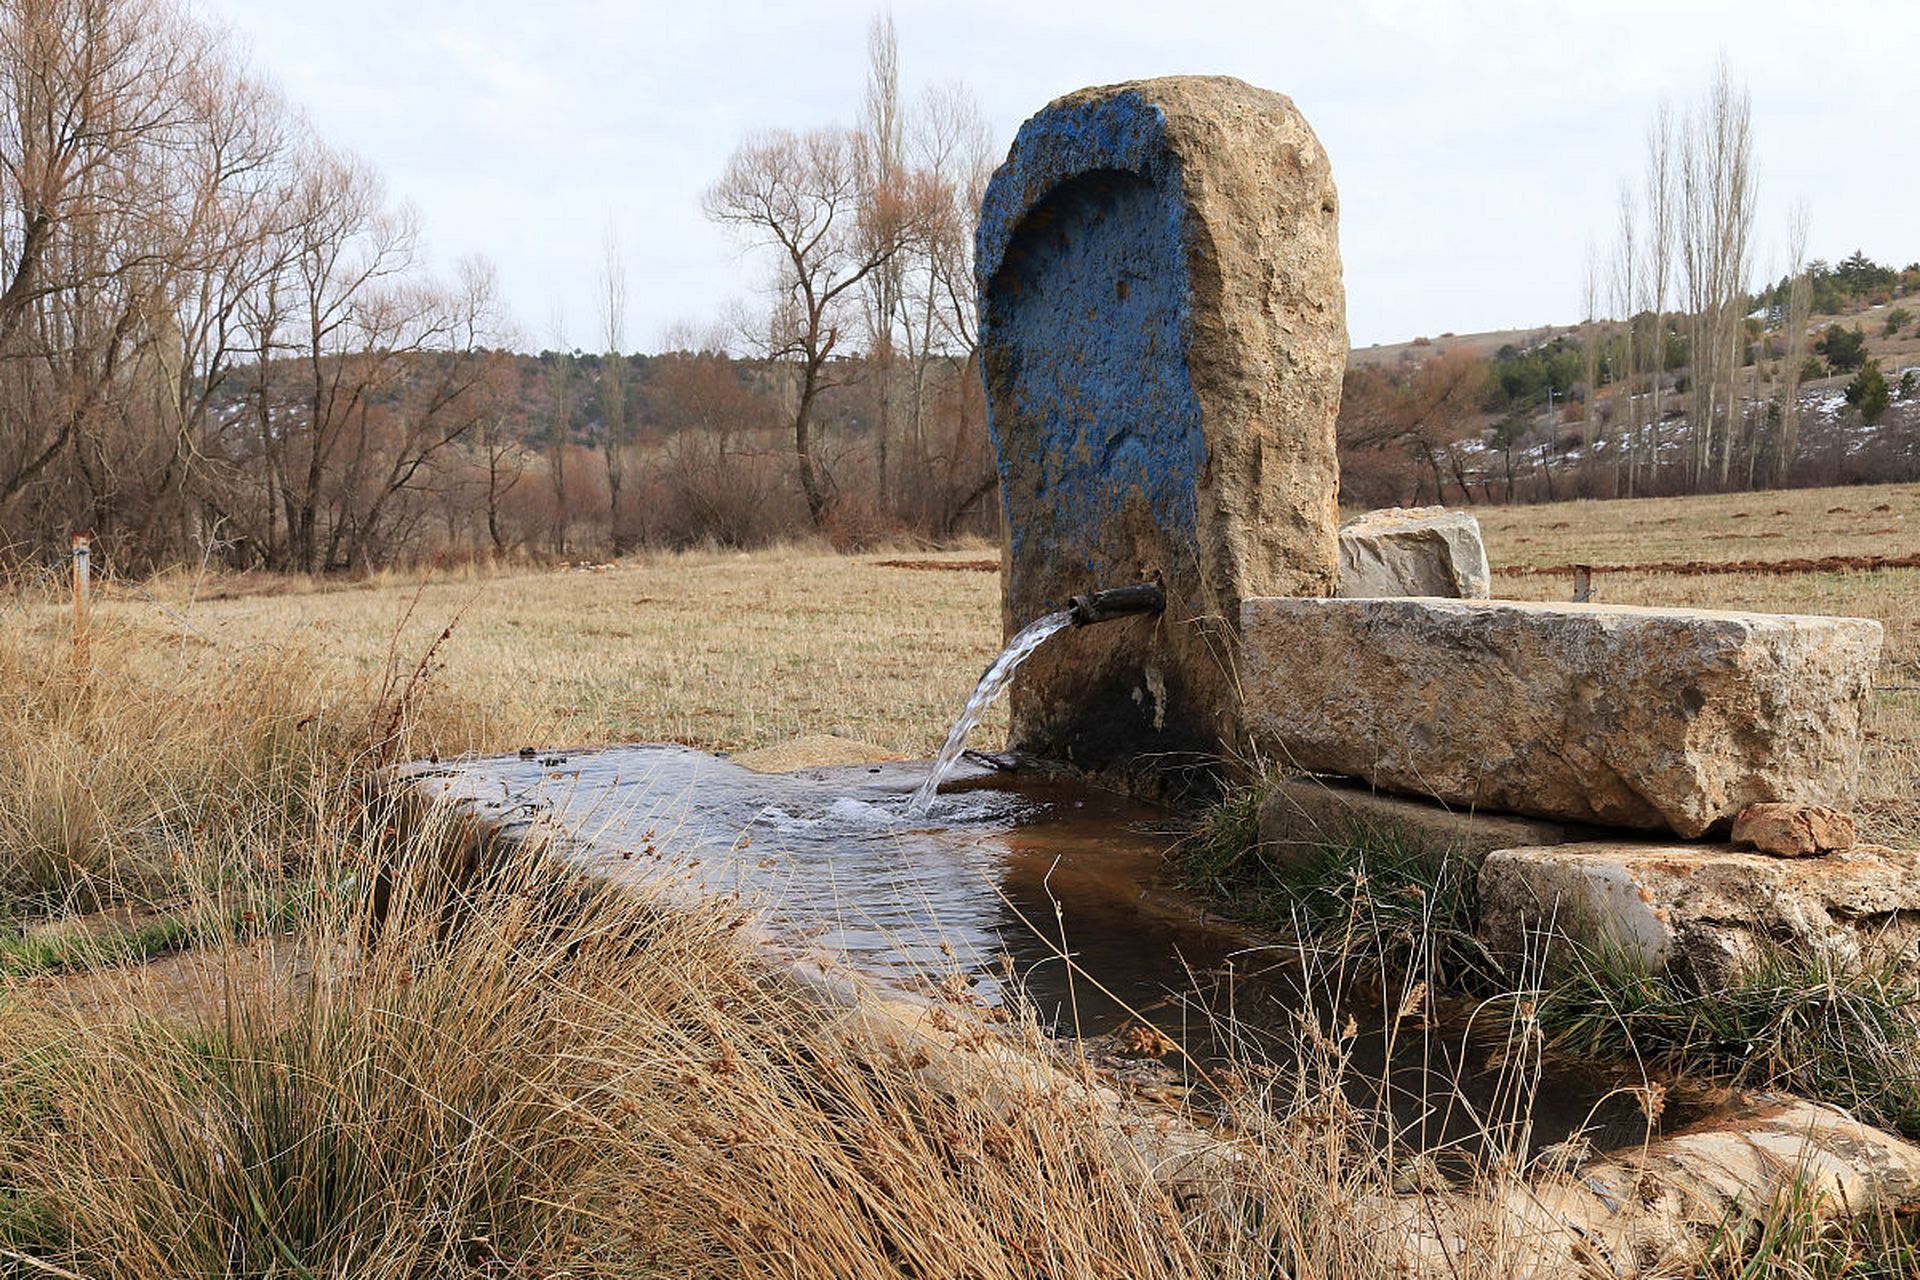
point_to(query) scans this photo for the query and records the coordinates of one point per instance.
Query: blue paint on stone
(1082, 267)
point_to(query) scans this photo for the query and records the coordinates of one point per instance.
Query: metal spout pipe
(1116, 602)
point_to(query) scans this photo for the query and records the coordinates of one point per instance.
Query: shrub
(1897, 319)
(1845, 349)
(1525, 379)
(1867, 393)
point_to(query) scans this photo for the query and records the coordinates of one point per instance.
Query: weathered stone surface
(1413, 551)
(1700, 911)
(1605, 714)
(1659, 1209)
(1793, 830)
(1301, 816)
(1162, 331)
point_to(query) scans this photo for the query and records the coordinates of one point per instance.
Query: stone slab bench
(1611, 715)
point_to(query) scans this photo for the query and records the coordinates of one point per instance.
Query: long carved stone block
(1604, 714)
(1162, 335)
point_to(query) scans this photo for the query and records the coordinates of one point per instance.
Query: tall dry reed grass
(552, 1080)
(107, 784)
(181, 765)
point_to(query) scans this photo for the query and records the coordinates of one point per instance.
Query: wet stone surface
(993, 890)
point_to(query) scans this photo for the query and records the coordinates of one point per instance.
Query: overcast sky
(1478, 144)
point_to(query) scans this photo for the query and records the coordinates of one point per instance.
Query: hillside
(1559, 411)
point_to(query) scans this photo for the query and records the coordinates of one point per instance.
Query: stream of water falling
(998, 675)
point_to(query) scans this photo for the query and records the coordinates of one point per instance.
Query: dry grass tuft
(439, 1103)
(553, 1081)
(106, 786)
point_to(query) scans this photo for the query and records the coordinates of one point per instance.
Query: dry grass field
(721, 651)
(734, 651)
(487, 1102)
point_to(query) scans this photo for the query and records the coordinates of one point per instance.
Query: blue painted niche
(1085, 322)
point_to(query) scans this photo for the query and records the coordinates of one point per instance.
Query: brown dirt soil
(191, 983)
(1699, 568)
(950, 566)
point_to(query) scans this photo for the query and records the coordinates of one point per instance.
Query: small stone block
(1413, 551)
(1794, 830)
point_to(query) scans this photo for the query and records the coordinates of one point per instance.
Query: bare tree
(97, 96)
(1657, 274)
(216, 331)
(881, 130)
(348, 249)
(1793, 319)
(952, 153)
(438, 397)
(234, 240)
(559, 426)
(1626, 298)
(810, 198)
(613, 382)
(1590, 333)
(1422, 414)
(503, 458)
(1716, 218)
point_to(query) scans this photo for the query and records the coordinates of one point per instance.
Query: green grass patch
(1364, 895)
(1847, 1034)
(1800, 1237)
(27, 955)
(1222, 855)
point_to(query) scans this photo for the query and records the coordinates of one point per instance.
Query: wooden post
(82, 582)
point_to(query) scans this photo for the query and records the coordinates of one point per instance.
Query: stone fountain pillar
(1163, 332)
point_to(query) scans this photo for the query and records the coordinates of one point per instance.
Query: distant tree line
(1524, 424)
(218, 339)
(1832, 289)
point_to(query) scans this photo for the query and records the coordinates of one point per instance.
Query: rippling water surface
(1008, 879)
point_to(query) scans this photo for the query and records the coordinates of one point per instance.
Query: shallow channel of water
(1061, 886)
